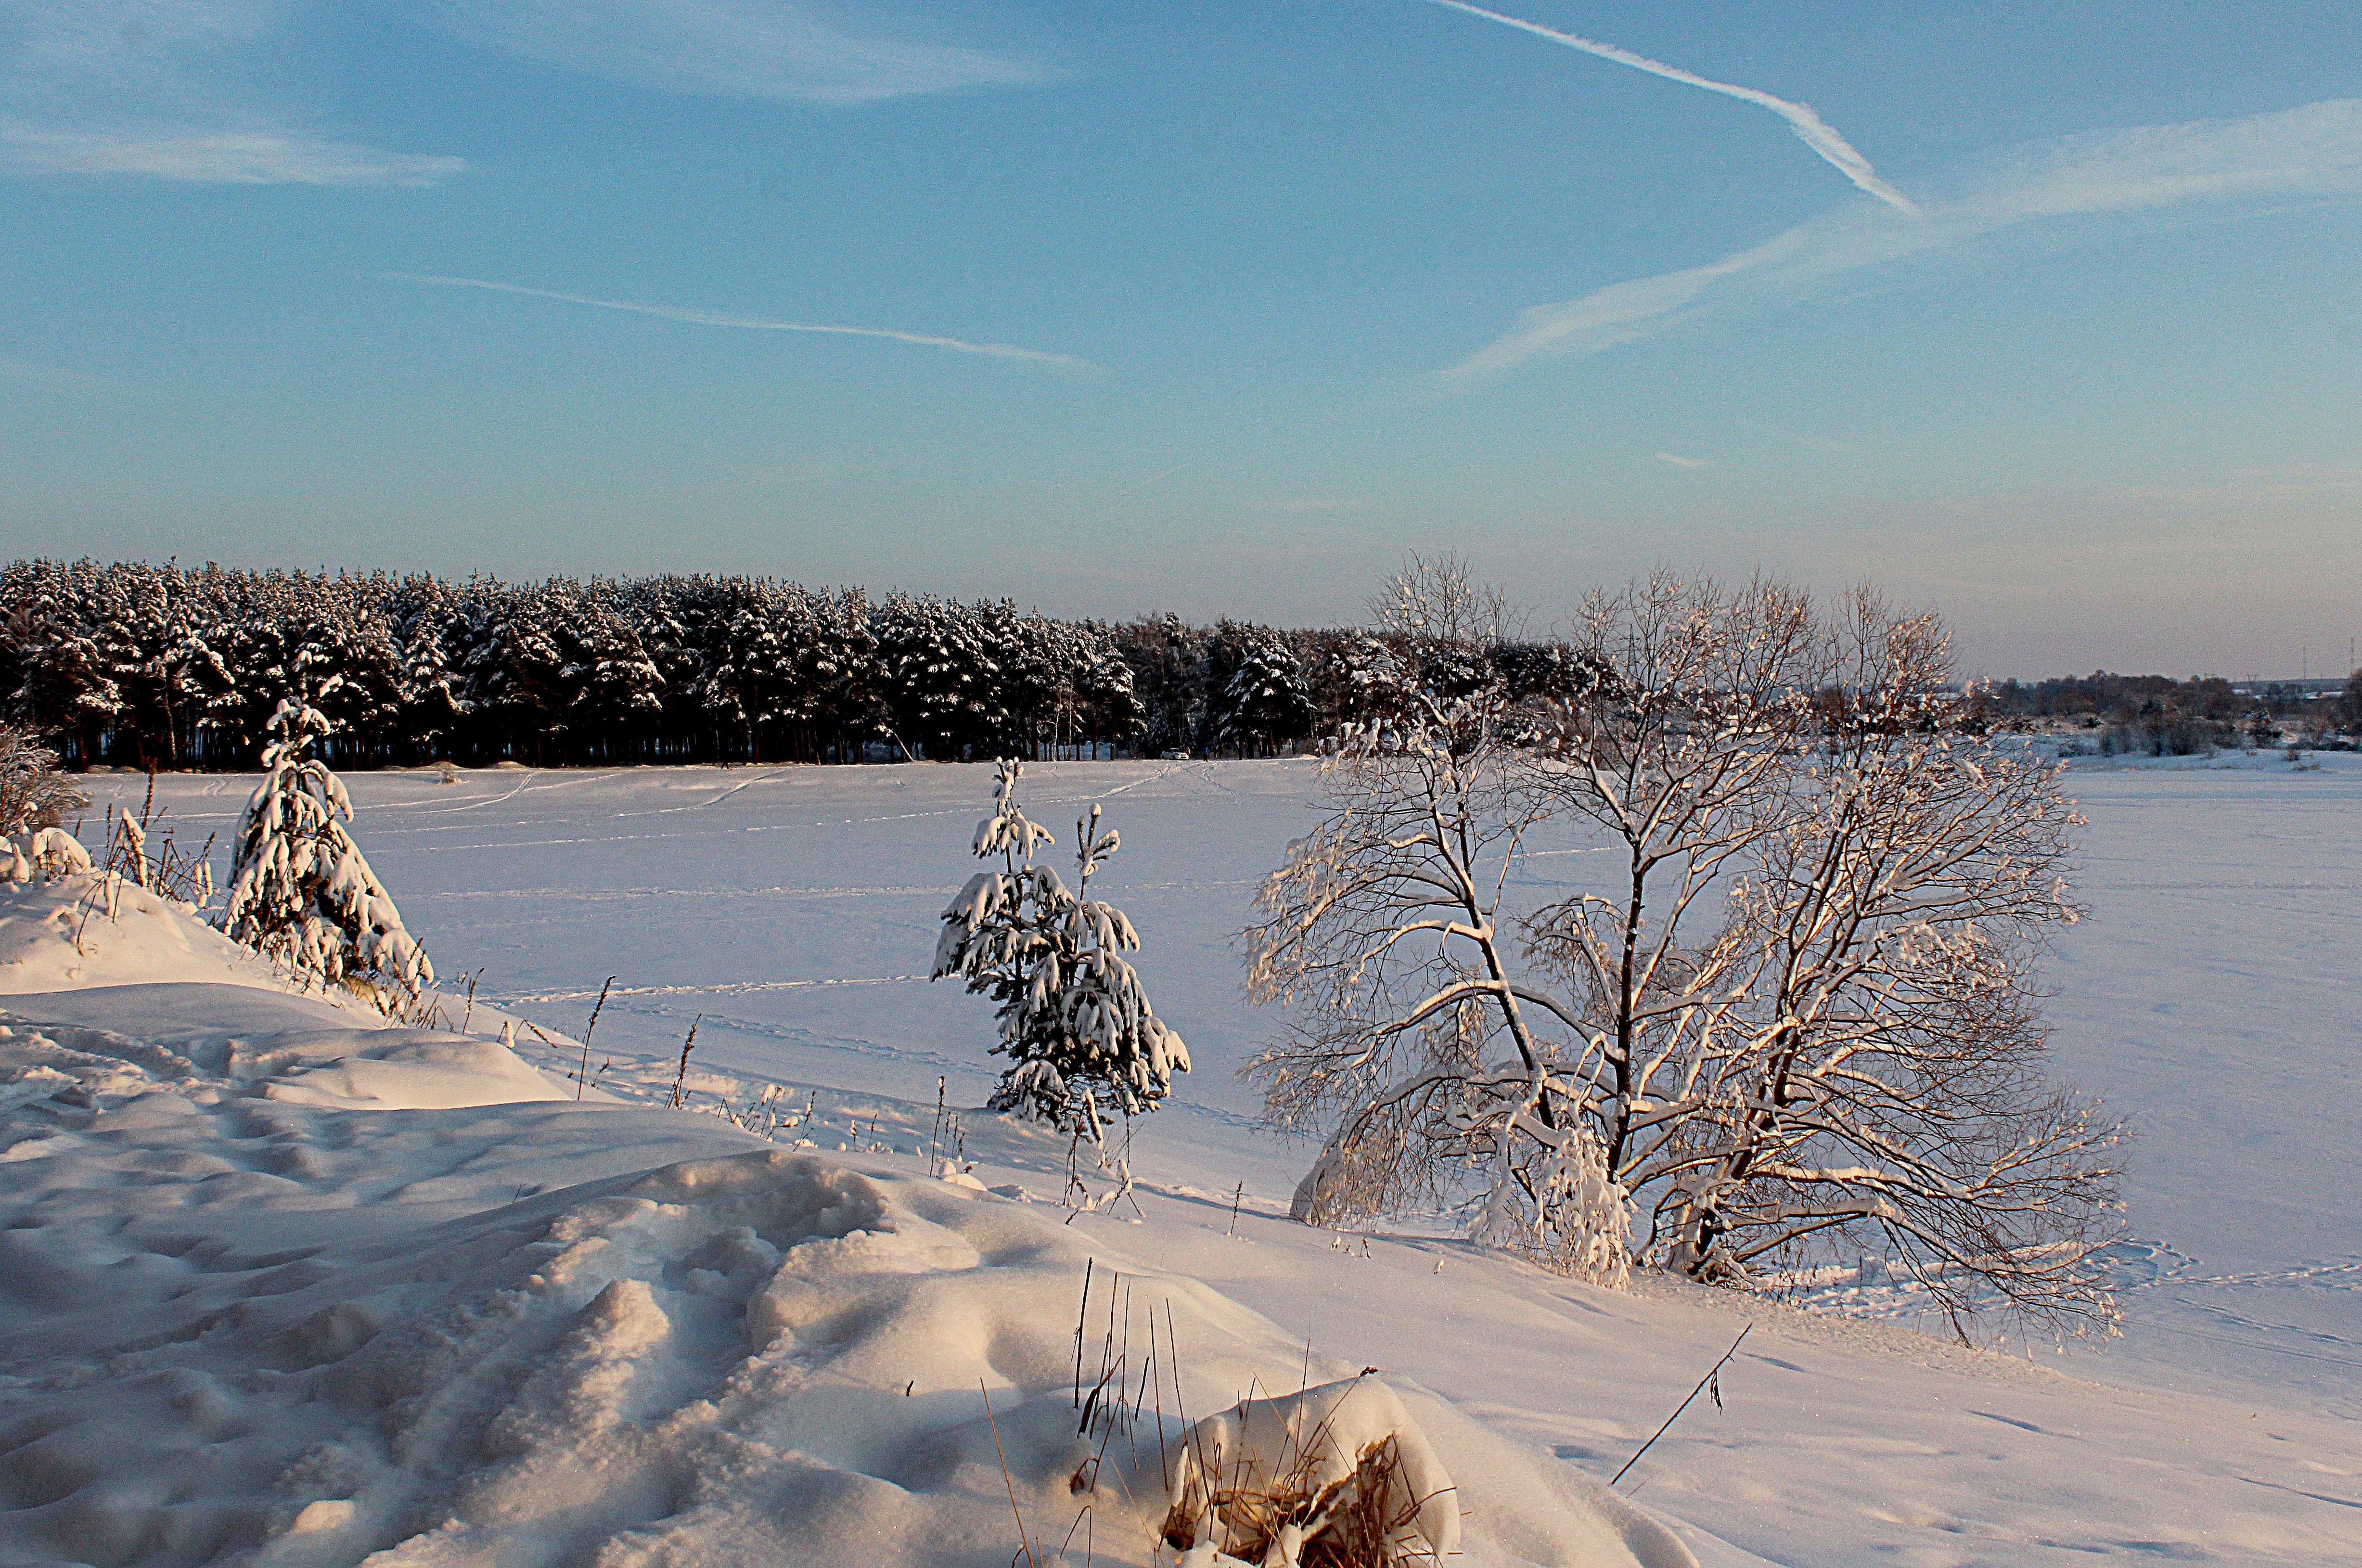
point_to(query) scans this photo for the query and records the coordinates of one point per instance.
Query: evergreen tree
(62, 685)
(434, 634)
(513, 670)
(1167, 661)
(938, 671)
(299, 889)
(1107, 695)
(1264, 701)
(1074, 1018)
(616, 686)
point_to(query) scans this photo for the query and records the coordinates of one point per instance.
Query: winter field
(339, 1292)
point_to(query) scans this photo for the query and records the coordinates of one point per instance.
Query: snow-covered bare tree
(1676, 761)
(1878, 1085)
(1385, 937)
(299, 889)
(1075, 1021)
(33, 794)
(1796, 1014)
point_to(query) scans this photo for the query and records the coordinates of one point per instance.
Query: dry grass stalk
(680, 1078)
(582, 1074)
(1294, 1520)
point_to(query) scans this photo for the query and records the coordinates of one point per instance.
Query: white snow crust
(281, 1283)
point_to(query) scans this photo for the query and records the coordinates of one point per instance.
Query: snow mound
(110, 989)
(94, 930)
(424, 1072)
(1323, 1456)
(213, 1041)
(760, 1357)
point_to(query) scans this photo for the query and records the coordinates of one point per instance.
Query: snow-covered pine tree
(616, 685)
(1110, 706)
(434, 640)
(1263, 704)
(1074, 1018)
(300, 890)
(1167, 661)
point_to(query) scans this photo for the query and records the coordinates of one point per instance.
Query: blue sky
(2049, 316)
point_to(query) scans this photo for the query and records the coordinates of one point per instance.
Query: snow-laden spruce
(1074, 1018)
(299, 889)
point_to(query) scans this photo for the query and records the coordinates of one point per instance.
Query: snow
(252, 1312)
(78, 932)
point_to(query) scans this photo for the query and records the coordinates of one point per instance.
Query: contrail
(1168, 473)
(1814, 132)
(752, 322)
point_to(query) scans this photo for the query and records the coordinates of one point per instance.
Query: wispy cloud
(1810, 128)
(2316, 151)
(27, 372)
(1681, 462)
(2256, 487)
(152, 89)
(752, 322)
(165, 89)
(1307, 505)
(788, 49)
(214, 157)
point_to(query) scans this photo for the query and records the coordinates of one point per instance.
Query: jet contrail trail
(751, 322)
(1810, 127)
(1168, 473)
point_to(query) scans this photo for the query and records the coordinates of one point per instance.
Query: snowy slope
(793, 907)
(305, 1294)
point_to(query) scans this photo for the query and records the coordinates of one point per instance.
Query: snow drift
(756, 1357)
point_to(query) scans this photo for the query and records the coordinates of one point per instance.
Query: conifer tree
(1074, 1018)
(299, 889)
(1264, 702)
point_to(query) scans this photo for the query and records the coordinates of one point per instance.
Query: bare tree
(1383, 934)
(1881, 1078)
(1799, 1011)
(33, 794)
(1679, 762)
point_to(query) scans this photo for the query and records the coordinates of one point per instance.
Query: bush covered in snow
(33, 794)
(1337, 1476)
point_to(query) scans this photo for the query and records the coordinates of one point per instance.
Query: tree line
(145, 665)
(2166, 717)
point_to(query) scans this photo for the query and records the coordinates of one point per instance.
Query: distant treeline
(2160, 715)
(2113, 698)
(142, 665)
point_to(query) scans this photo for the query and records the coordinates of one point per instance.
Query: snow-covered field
(250, 1316)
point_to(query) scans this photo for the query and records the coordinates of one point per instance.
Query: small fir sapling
(299, 889)
(1075, 1020)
